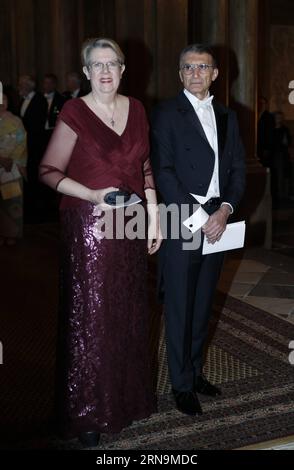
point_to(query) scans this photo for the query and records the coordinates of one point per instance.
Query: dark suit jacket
(67, 94)
(55, 108)
(34, 121)
(265, 137)
(183, 159)
(35, 116)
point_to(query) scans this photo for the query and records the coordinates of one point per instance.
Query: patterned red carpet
(248, 357)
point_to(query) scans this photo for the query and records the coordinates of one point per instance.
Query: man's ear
(86, 72)
(181, 76)
(215, 74)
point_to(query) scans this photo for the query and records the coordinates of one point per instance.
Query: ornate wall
(276, 66)
(254, 41)
(43, 36)
(281, 68)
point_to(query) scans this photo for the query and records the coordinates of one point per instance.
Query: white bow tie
(204, 103)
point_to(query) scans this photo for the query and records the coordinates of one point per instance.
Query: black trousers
(189, 282)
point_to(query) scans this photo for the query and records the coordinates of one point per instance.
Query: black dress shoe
(187, 402)
(206, 388)
(89, 439)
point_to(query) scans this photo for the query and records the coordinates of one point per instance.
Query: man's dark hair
(198, 49)
(52, 77)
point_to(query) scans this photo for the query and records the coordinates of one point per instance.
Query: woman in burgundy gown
(100, 145)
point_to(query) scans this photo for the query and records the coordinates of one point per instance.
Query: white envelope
(232, 238)
(196, 220)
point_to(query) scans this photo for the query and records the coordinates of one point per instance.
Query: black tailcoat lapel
(221, 117)
(188, 112)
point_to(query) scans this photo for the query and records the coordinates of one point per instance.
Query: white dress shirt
(49, 97)
(204, 110)
(75, 93)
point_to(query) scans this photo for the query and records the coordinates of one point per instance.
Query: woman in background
(13, 159)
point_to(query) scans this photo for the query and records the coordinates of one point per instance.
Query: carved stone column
(209, 23)
(243, 17)
(243, 44)
(214, 30)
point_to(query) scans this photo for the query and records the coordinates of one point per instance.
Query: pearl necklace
(111, 120)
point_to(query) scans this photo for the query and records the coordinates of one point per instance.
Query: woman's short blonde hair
(102, 43)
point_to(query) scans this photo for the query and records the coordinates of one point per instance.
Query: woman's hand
(154, 231)
(97, 197)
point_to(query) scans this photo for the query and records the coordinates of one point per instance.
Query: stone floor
(265, 278)
(281, 444)
(260, 281)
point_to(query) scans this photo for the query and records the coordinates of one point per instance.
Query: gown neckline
(103, 123)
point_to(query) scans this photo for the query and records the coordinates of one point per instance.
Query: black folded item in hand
(111, 198)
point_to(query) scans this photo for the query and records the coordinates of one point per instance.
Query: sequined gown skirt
(103, 370)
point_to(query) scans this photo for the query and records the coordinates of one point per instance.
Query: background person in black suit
(196, 149)
(265, 133)
(55, 102)
(49, 198)
(281, 163)
(74, 88)
(33, 111)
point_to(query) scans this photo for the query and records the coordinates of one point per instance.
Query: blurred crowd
(273, 144)
(27, 120)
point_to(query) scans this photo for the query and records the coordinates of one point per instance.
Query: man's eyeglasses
(99, 67)
(188, 69)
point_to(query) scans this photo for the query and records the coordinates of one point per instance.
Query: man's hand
(216, 224)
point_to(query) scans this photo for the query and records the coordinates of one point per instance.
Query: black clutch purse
(110, 198)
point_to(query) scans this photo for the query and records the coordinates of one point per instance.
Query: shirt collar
(75, 93)
(30, 95)
(49, 96)
(195, 102)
